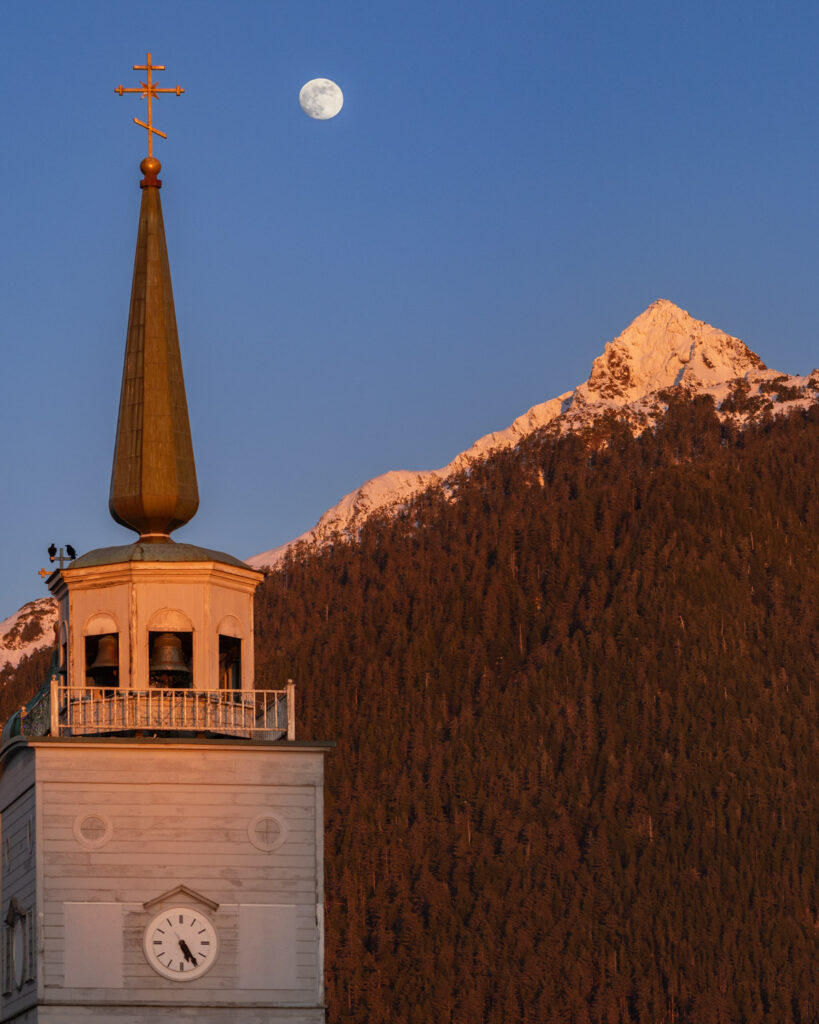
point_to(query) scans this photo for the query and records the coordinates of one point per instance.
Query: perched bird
(72, 554)
(52, 551)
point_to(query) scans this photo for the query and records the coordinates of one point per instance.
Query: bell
(167, 655)
(107, 653)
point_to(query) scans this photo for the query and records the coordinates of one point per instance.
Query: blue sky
(507, 186)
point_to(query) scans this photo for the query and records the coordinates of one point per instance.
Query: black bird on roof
(52, 551)
(72, 554)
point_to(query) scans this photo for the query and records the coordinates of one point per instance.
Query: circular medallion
(92, 829)
(180, 944)
(267, 832)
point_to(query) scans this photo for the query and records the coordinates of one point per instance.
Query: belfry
(161, 827)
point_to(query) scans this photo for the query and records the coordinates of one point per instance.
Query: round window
(267, 832)
(92, 830)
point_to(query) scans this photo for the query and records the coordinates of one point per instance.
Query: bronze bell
(167, 655)
(107, 653)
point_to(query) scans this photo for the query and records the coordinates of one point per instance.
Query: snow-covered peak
(661, 348)
(28, 630)
(664, 347)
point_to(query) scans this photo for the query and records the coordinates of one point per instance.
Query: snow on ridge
(28, 630)
(392, 490)
(664, 347)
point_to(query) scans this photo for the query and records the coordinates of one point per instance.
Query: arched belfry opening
(100, 652)
(170, 660)
(230, 639)
(170, 650)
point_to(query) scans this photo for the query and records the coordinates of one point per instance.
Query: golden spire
(153, 479)
(149, 90)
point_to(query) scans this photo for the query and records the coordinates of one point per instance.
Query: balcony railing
(249, 714)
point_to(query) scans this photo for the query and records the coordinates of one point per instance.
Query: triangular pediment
(182, 890)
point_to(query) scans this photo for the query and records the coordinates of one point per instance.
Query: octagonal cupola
(157, 634)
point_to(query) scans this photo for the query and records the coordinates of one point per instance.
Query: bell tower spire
(153, 480)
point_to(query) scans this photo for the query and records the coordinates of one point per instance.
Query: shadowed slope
(576, 709)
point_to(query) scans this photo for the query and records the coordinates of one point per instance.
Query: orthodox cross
(149, 90)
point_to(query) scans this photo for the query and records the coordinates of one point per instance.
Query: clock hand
(186, 952)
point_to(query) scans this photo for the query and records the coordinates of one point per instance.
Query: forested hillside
(575, 703)
(18, 684)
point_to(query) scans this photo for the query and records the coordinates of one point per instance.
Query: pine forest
(575, 704)
(574, 698)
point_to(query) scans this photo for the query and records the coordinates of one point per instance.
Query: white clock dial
(180, 944)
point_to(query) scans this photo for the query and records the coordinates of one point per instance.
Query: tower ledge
(140, 551)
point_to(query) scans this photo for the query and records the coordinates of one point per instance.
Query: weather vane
(149, 90)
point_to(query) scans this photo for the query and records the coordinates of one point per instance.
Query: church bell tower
(161, 827)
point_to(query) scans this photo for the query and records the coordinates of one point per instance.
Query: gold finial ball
(150, 165)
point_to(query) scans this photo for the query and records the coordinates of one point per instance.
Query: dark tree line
(575, 703)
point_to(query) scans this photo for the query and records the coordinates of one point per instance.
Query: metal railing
(250, 714)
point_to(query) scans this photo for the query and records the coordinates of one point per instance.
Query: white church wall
(240, 824)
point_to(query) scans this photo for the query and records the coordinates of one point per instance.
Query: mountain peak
(663, 311)
(665, 346)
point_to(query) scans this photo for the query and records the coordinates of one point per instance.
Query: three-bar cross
(149, 90)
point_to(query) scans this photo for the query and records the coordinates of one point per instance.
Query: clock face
(180, 944)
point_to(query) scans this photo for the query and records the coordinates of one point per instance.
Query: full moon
(320, 99)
